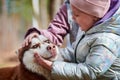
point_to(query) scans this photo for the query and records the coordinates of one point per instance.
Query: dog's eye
(47, 41)
(35, 46)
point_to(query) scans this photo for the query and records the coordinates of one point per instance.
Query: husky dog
(28, 69)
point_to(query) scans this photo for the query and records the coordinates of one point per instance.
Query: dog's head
(43, 47)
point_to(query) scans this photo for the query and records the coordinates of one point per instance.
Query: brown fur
(19, 72)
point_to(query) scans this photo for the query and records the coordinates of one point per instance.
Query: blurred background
(16, 17)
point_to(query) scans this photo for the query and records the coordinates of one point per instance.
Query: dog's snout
(50, 47)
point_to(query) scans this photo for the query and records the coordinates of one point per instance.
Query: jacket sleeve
(58, 28)
(103, 53)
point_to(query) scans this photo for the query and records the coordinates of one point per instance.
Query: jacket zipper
(77, 47)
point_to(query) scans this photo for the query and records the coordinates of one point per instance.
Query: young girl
(93, 50)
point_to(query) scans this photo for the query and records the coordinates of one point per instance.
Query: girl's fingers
(28, 39)
(38, 59)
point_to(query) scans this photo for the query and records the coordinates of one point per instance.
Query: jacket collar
(110, 25)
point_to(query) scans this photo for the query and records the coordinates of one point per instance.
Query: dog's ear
(21, 52)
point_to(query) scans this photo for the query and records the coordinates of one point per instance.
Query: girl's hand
(43, 62)
(29, 38)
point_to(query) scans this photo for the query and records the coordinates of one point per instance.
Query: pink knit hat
(96, 8)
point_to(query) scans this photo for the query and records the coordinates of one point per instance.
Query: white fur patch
(41, 49)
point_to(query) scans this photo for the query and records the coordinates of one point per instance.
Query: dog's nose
(50, 47)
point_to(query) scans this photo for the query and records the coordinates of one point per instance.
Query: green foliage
(49, 8)
(27, 9)
(21, 7)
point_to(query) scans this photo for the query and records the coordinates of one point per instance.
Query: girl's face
(85, 21)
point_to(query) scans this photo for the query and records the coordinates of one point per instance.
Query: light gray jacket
(95, 55)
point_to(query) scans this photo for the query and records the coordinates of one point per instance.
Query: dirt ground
(8, 58)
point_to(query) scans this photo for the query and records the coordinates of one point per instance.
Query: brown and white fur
(28, 69)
